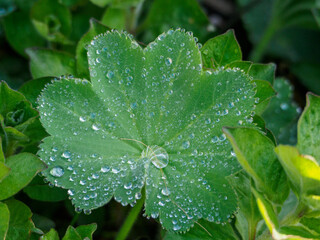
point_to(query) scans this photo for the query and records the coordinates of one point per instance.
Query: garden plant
(159, 119)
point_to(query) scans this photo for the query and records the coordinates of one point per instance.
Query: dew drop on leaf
(157, 155)
(57, 171)
(168, 61)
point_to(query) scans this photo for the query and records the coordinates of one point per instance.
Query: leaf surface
(150, 117)
(24, 167)
(4, 220)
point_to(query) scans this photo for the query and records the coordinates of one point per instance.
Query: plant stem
(131, 218)
(258, 51)
(74, 219)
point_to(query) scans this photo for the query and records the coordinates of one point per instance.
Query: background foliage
(274, 43)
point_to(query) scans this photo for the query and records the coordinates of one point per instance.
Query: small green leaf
(143, 102)
(255, 152)
(221, 50)
(52, 63)
(20, 224)
(281, 116)
(309, 128)
(86, 231)
(24, 167)
(263, 72)
(81, 53)
(4, 220)
(115, 18)
(21, 33)
(32, 89)
(51, 235)
(101, 3)
(52, 20)
(205, 231)
(264, 94)
(71, 234)
(302, 170)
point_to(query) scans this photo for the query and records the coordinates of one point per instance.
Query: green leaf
(311, 223)
(20, 224)
(71, 234)
(115, 18)
(32, 89)
(302, 170)
(46, 62)
(166, 14)
(2, 158)
(221, 50)
(81, 53)
(51, 235)
(309, 128)
(281, 116)
(255, 152)
(205, 231)
(117, 3)
(263, 96)
(248, 214)
(4, 171)
(86, 231)
(24, 167)
(263, 72)
(45, 193)
(52, 20)
(150, 117)
(4, 220)
(21, 33)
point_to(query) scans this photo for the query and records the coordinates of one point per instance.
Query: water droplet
(95, 127)
(105, 169)
(168, 61)
(284, 106)
(66, 154)
(176, 227)
(165, 191)
(134, 45)
(82, 119)
(157, 155)
(57, 171)
(186, 144)
(110, 74)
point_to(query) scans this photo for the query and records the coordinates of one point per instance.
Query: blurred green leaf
(115, 18)
(309, 128)
(51, 235)
(206, 231)
(86, 231)
(255, 152)
(166, 14)
(81, 53)
(20, 224)
(46, 62)
(2, 158)
(21, 33)
(265, 72)
(7, 7)
(32, 89)
(24, 167)
(282, 113)
(221, 50)
(117, 3)
(4, 220)
(52, 20)
(42, 222)
(309, 74)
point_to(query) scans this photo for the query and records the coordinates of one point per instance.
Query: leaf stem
(130, 220)
(74, 219)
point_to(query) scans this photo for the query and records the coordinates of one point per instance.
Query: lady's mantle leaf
(151, 117)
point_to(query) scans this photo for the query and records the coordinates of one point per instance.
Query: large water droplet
(110, 74)
(157, 155)
(57, 171)
(66, 154)
(168, 61)
(165, 191)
